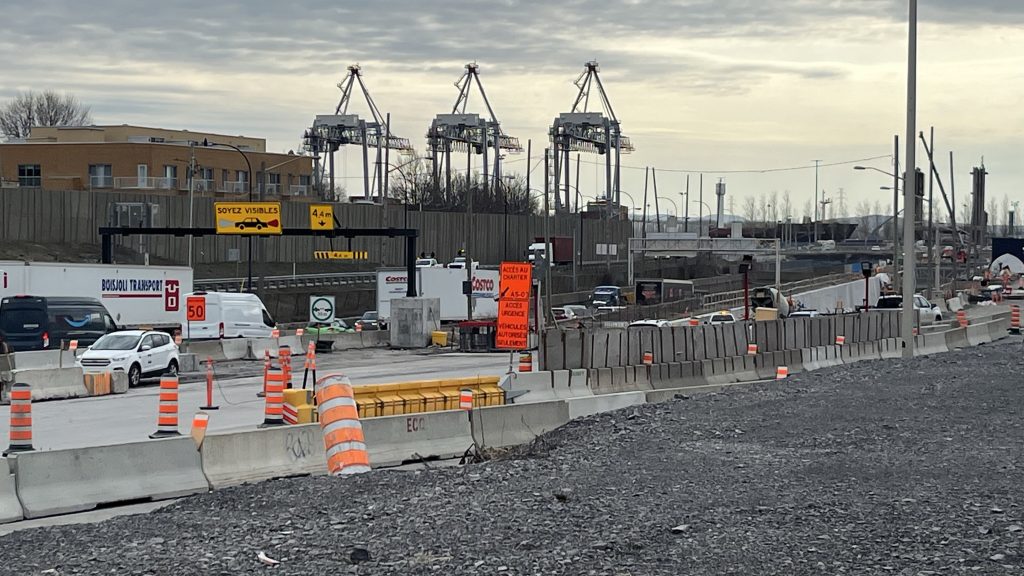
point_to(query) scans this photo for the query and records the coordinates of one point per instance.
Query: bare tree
(1006, 215)
(787, 205)
(47, 108)
(773, 203)
(750, 208)
(808, 210)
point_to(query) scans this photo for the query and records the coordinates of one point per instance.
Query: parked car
(139, 353)
(648, 324)
(804, 314)
(43, 323)
(231, 315)
(723, 317)
(371, 321)
(427, 263)
(926, 311)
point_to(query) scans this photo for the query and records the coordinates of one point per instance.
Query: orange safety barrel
(751, 349)
(840, 340)
(21, 419)
(526, 362)
(273, 412)
(339, 421)
(167, 417)
(961, 317)
(648, 358)
(782, 372)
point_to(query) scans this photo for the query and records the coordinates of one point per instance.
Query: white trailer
(445, 284)
(135, 296)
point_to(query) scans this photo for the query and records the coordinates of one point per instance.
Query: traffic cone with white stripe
(21, 419)
(167, 418)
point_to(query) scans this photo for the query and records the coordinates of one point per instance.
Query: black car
(43, 323)
(370, 321)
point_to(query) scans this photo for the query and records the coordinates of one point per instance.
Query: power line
(756, 171)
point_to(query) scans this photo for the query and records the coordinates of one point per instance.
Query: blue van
(48, 323)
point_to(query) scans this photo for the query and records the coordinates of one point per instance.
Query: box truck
(135, 296)
(444, 284)
(561, 249)
(660, 291)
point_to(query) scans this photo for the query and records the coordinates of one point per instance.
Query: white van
(230, 315)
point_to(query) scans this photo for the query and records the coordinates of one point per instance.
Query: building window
(170, 179)
(30, 176)
(204, 180)
(225, 175)
(242, 176)
(273, 183)
(101, 176)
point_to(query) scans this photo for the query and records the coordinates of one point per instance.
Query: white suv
(138, 352)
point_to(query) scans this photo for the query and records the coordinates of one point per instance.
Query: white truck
(135, 296)
(445, 284)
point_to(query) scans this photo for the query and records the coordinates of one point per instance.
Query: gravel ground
(887, 467)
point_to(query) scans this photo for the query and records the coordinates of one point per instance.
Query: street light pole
(907, 324)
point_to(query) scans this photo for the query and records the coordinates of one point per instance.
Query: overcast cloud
(698, 84)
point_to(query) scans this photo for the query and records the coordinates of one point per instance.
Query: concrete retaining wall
(65, 481)
(255, 455)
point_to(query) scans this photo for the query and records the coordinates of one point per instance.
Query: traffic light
(919, 196)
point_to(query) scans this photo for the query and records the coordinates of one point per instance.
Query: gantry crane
(331, 131)
(583, 131)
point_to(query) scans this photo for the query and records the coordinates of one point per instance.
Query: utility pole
(686, 206)
(932, 241)
(909, 185)
(191, 194)
(817, 163)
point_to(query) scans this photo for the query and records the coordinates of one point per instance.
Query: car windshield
(117, 342)
(721, 318)
(424, 262)
(370, 316)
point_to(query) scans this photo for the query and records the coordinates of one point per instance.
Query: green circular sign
(321, 309)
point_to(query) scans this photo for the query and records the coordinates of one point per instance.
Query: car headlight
(119, 359)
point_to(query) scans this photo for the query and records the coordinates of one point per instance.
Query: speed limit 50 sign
(321, 309)
(195, 308)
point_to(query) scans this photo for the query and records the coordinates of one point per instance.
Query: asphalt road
(132, 417)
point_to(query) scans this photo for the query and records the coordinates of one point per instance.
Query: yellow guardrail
(426, 396)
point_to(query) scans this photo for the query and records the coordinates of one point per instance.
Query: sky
(733, 89)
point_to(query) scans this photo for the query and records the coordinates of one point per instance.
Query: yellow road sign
(247, 217)
(321, 217)
(341, 255)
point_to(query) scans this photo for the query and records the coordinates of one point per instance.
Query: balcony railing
(298, 190)
(272, 189)
(139, 183)
(101, 181)
(199, 185)
(234, 187)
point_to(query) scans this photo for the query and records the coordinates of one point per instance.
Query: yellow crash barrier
(425, 396)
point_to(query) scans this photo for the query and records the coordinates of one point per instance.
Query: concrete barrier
(65, 481)
(219, 350)
(809, 359)
(352, 341)
(255, 455)
(43, 360)
(889, 348)
(500, 426)
(571, 384)
(53, 384)
(579, 407)
(956, 338)
(10, 507)
(931, 343)
(392, 440)
(999, 329)
(538, 386)
(977, 334)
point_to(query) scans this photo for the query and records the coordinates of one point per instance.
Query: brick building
(151, 160)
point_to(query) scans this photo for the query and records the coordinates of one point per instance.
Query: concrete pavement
(132, 417)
